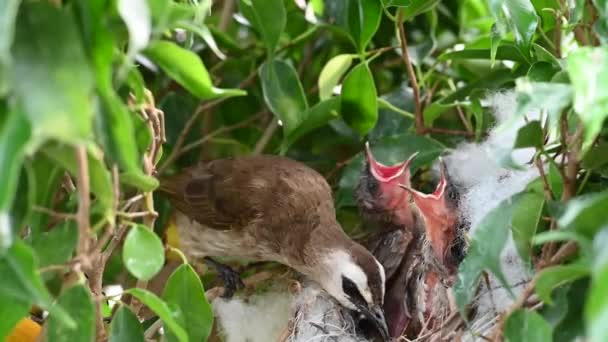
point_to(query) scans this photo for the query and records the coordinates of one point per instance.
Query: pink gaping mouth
(385, 173)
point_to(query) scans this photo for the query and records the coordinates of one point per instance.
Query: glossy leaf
(390, 150)
(331, 74)
(185, 295)
(8, 15)
(78, 302)
(159, 307)
(51, 75)
(526, 218)
(490, 238)
(586, 214)
(527, 326)
(506, 52)
(362, 21)
(143, 252)
(542, 72)
(590, 88)
(530, 135)
(187, 69)
(283, 93)
(417, 7)
(126, 327)
(268, 17)
(359, 99)
(21, 282)
(136, 15)
(317, 116)
(517, 16)
(552, 277)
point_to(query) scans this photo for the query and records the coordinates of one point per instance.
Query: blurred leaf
(46, 177)
(12, 311)
(143, 252)
(556, 182)
(204, 32)
(597, 156)
(389, 151)
(283, 93)
(596, 307)
(552, 97)
(545, 56)
(417, 7)
(490, 238)
(136, 15)
(159, 307)
(396, 3)
(526, 218)
(504, 52)
(517, 16)
(317, 116)
(126, 327)
(552, 277)
(268, 17)
(185, 295)
(362, 21)
(586, 214)
(56, 246)
(101, 182)
(51, 75)
(590, 87)
(187, 69)
(14, 136)
(8, 15)
(359, 104)
(331, 74)
(78, 302)
(527, 326)
(21, 282)
(542, 72)
(530, 135)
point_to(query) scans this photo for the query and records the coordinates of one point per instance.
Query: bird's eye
(352, 291)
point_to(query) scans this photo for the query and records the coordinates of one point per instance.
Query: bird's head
(439, 210)
(357, 281)
(379, 190)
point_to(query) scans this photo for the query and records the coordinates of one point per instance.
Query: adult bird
(418, 241)
(271, 208)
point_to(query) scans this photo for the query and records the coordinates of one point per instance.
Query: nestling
(271, 208)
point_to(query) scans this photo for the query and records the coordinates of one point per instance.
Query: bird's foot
(231, 278)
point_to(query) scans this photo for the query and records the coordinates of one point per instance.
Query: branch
(266, 136)
(411, 74)
(84, 204)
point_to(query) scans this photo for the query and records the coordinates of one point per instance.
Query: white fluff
(262, 318)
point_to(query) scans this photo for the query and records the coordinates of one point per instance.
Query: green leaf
(143, 252)
(331, 74)
(530, 135)
(362, 21)
(317, 116)
(552, 97)
(586, 214)
(552, 277)
(517, 16)
(527, 326)
(490, 238)
(526, 218)
(46, 175)
(283, 93)
(504, 52)
(187, 69)
(79, 303)
(51, 75)
(556, 182)
(542, 72)
(136, 15)
(396, 3)
(101, 182)
(185, 295)
(268, 17)
(56, 246)
(8, 14)
(596, 307)
(389, 150)
(21, 282)
(161, 309)
(590, 86)
(126, 327)
(359, 99)
(12, 311)
(14, 136)
(417, 7)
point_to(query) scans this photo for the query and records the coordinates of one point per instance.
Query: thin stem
(419, 122)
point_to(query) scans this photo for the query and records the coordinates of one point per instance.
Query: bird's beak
(383, 172)
(376, 316)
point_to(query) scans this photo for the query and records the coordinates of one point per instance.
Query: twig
(151, 331)
(266, 136)
(53, 213)
(543, 176)
(84, 203)
(411, 74)
(226, 16)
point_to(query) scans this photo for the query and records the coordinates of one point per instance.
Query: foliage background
(99, 97)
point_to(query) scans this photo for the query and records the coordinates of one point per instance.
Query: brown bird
(418, 243)
(270, 208)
